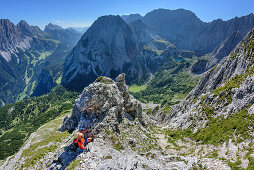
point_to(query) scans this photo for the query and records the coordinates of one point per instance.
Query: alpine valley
(165, 91)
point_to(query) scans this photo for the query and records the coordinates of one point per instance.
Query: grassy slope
(19, 120)
(169, 85)
(45, 135)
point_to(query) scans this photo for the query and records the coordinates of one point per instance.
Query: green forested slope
(170, 84)
(19, 120)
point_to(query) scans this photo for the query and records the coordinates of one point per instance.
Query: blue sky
(81, 13)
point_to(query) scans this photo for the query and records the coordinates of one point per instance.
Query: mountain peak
(109, 19)
(131, 17)
(51, 26)
(23, 22)
(5, 21)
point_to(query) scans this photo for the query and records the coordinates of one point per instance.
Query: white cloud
(58, 21)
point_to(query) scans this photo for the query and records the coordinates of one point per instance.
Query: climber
(80, 142)
(87, 133)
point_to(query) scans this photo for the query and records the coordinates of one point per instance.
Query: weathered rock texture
(226, 88)
(110, 101)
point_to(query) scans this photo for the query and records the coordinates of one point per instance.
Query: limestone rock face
(110, 47)
(107, 48)
(102, 102)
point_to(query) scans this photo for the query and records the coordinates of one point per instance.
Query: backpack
(75, 142)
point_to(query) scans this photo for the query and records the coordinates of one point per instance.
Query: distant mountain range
(25, 51)
(139, 45)
(186, 31)
(134, 44)
(81, 30)
(68, 36)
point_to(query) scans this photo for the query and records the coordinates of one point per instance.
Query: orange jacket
(81, 143)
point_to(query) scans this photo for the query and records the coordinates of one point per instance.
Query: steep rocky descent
(124, 137)
(225, 89)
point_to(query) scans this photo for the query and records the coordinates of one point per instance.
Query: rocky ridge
(125, 136)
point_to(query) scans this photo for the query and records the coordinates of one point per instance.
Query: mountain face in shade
(179, 27)
(111, 46)
(68, 36)
(108, 47)
(224, 49)
(45, 84)
(185, 30)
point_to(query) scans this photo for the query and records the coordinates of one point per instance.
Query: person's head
(80, 135)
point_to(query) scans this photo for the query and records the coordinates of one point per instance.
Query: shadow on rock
(66, 157)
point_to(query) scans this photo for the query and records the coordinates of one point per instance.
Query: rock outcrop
(125, 136)
(109, 101)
